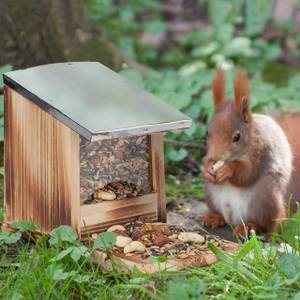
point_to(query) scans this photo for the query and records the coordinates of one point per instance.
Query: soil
(189, 218)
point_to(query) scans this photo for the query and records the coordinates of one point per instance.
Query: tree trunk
(34, 32)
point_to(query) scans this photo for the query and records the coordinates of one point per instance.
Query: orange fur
(241, 229)
(212, 220)
(249, 160)
(290, 123)
(241, 91)
(218, 88)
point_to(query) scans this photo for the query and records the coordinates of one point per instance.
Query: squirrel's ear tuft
(218, 89)
(242, 95)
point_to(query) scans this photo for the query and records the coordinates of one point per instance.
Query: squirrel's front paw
(224, 173)
(242, 230)
(208, 176)
(212, 220)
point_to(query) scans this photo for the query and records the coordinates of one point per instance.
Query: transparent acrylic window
(114, 160)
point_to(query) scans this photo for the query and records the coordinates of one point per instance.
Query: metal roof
(94, 101)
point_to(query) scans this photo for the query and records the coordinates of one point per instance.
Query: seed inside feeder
(116, 190)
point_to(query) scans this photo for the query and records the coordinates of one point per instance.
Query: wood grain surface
(41, 159)
(100, 216)
(158, 173)
(42, 174)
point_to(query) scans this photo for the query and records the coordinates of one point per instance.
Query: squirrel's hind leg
(267, 206)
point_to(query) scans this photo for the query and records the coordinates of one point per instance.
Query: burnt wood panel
(158, 174)
(41, 160)
(96, 217)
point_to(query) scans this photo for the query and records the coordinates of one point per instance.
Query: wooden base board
(100, 216)
(124, 263)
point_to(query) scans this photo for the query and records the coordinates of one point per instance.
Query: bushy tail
(290, 123)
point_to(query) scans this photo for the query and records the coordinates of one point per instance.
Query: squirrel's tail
(290, 123)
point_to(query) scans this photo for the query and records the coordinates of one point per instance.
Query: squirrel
(248, 167)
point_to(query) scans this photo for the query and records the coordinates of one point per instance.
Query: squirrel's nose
(212, 153)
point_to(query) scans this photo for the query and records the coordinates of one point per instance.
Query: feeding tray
(75, 132)
(150, 247)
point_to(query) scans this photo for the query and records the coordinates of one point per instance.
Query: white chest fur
(231, 202)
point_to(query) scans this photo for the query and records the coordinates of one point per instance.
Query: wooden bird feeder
(72, 129)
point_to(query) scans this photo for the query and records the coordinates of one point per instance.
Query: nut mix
(118, 167)
(160, 239)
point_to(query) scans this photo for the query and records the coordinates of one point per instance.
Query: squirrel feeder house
(83, 147)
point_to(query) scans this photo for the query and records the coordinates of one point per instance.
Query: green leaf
(133, 75)
(219, 11)
(78, 251)
(192, 68)
(233, 263)
(82, 278)
(10, 237)
(154, 26)
(4, 69)
(185, 289)
(257, 14)
(178, 100)
(161, 259)
(240, 47)
(245, 249)
(24, 226)
(289, 264)
(63, 233)
(59, 275)
(105, 240)
(206, 50)
(177, 155)
(62, 254)
(296, 296)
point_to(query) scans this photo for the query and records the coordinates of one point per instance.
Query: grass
(259, 271)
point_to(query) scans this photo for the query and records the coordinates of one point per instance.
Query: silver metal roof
(95, 101)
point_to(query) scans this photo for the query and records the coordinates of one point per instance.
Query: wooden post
(158, 174)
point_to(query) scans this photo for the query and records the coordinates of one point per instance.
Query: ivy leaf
(63, 233)
(10, 237)
(24, 226)
(105, 240)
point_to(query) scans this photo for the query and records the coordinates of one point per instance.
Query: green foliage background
(181, 72)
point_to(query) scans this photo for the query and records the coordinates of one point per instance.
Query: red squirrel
(254, 155)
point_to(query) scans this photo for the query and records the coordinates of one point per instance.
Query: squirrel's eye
(236, 136)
